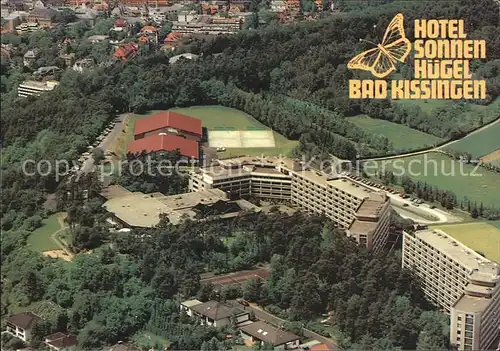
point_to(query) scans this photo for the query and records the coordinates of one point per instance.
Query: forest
(135, 281)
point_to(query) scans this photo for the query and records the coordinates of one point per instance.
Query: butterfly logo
(381, 60)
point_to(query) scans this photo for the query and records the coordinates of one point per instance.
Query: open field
(439, 170)
(41, 238)
(481, 143)
(492, 158)
(482, 237)
(429, 106)
(401, 136)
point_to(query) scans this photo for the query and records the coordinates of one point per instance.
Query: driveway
(272, 319)
(88, 165)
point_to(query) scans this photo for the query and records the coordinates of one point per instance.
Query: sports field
(220, 117)
(401, 136)
(482, 237)
(225, 118)
(437, 169)
(41, 238)
(481, 143)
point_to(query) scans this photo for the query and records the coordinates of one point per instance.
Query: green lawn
(401, 136)
(480, 143)
(482, 237)
(40, 239)
(220, 116)
(146, 340)
(445, 173)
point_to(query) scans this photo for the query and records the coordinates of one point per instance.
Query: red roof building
(121, 23)
(169, 122)
(126, 51)
(165, 142)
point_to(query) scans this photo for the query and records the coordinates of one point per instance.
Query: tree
(97, 155)
(252, 289)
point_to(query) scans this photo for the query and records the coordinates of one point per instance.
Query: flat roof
(144, 210)
(188, 200)
(473, 304)
(190, 303)
(459, 252)
(114, 191)
(269, 333)
(137, 210)
(482, 237)
(363, 227)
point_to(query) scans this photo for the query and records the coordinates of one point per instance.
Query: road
(422, 214)
(88, 165)
(436, 149)
(272, 319)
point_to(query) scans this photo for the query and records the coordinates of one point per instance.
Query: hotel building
(35, 88)
(365, 214)
(461, 282)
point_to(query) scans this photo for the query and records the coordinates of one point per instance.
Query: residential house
(60, 341)
(30, 57)
(260, 332)
(21, 324)
(149, 32)
(215, 313)
(120, 25)
(86, 15)
(172, 41)
(126, 51)
(13, 20)
(45, 17)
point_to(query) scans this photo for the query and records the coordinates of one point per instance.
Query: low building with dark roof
(21, 324)
(215, 313)
(261, 332)
(60, 341)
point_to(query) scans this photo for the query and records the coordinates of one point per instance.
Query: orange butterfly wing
(395, 42)
(380, 61)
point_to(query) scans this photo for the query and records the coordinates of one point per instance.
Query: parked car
(243, 302)
(405, 205)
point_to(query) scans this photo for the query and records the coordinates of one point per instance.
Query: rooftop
(460, 253)
(472, 304)
(23, 320)
(168, 119)
(216, 310)
(363, 227)
(191, 303)
(144, 210)
(269, 334)
(164, 142)
(272, 165)
(481, 237)
(60, 340)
